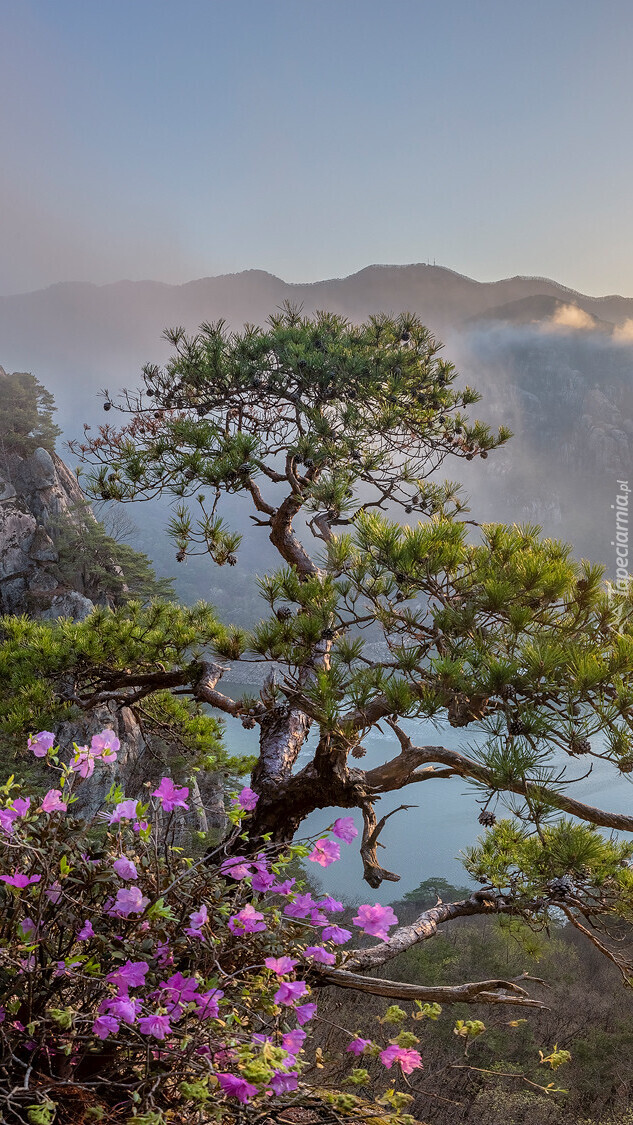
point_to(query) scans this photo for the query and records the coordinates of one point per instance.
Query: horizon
(78, 282)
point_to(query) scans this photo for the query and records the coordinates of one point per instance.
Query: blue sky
(172, 140)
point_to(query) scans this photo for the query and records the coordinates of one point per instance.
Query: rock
(42, 548)
(71, 604)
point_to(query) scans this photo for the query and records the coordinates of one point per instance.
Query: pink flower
(170, 795)
(28, 928)
(300, 907)
(86, 931)
(197, 919)
(246, 800)
(409, 1059)
(84, 763)
(125, 810)
(155, 1025)
(122, 1008)
(40, 744)
(52, 802)
(318, 953)
(305, 1012)
(247, 921)
(345, 829)
(104, 1026)
(238, 867)
(129, 900)
(237, 1087)
(19, 880)
(21, 805)
(284, 888)
(375, 920)
(164, 955)
(293, 1041)
(125, 868)
(262, 881)
(130, 975)
(289, 991)
(207, 1004)
(338, 934)
(105, 746)
(7, 819)
(283, 1082)
(280, 965)
(54, 893)
(325, 852)
(357, 1046)
(331, 905)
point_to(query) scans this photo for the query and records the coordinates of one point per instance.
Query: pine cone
(487, 818)
(359, 752)
(284, 613)
(579, 745)
(248, 722)
(625, 765)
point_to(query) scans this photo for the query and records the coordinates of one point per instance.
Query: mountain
(553, 363)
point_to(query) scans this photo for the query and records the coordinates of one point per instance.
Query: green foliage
(101, 567)
(26, 415)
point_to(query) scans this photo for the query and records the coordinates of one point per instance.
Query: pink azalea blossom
(52, 802)
(86, 931)
(289, 991)
(21, 805)
(171, 796)
(325, 853)
(84, 763)
(345, 829)
(408, 1059)
(300, 907)
(19, 880)
(247, 921)
(155, 1025)
(125, 810)
(197, 919)
(284, 888)
(375, 920)
(125, 868)
(104, 1026)
(28, 928)
(130, 975)
(262, 881)
(122, 1008)
(246, 800)
(178, 991)
(237, 1087)
(40, 744)
(331, 905)
(105, 746)
(318, 953)
(305, 1012)
(338, 934)
(54, 893)
(7, 820)
(207, 1004)
(238, 867)
(129, 900)
(280, 965)
(164, 956)
(293, 1041)
(357, 1046)
(283, 1082)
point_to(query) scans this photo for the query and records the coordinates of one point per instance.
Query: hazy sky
(173, 139)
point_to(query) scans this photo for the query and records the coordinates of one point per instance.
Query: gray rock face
(35, 492)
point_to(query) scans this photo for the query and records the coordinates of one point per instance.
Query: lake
(426, 840)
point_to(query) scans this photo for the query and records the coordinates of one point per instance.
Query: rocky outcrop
(36, 493)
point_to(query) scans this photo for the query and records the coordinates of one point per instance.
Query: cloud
(570, 316)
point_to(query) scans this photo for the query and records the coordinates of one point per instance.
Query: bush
(145, 985)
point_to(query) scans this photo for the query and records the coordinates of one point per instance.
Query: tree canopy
(336, 433)
(26, 414)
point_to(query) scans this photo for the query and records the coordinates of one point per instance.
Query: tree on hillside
(26, 414)
(333, 430)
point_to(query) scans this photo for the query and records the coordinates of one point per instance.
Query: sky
(175, 139)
